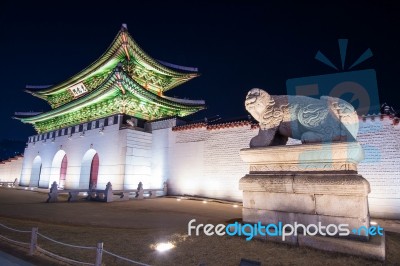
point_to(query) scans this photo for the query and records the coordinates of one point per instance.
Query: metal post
(32, 248)
(99, 254)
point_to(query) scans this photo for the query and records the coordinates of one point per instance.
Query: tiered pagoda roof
(124, 80)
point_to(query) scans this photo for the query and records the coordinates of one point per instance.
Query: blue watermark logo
(280, 230)
(358, 87)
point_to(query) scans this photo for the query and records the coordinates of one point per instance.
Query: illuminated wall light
(373, 223)
(178, 199)
(204, 201)
(235, 206)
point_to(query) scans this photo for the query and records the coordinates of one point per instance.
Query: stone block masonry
(380, 139)
(206, 162)
(11, 169)
(215, 169)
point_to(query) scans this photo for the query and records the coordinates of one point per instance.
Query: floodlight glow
(164, 246)
(178, 199)
(204, 201)
(26, 188)
(235, 206)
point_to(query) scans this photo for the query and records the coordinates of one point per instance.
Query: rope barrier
(16, 230)
(65, 244)
(14, 241)
(48, 253)
(122, 258)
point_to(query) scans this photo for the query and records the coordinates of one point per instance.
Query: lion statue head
(259, 104)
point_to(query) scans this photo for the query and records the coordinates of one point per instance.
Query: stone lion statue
(308, 119)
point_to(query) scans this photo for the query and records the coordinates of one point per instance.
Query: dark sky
(236, 46)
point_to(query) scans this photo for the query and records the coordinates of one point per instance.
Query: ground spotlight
(164, 246)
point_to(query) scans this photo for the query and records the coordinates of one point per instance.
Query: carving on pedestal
(305, 167)
(337, 156)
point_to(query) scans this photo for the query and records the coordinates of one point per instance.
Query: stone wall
(199, 159)
(138, 160)
(11, 169)
(206, 162)
(380, 138)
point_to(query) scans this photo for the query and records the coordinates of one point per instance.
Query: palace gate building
(96, 131)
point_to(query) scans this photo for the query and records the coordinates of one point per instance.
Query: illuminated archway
(35, 172)
(59, 169)
(89, 169)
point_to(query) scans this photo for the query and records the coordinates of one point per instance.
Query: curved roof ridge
(180, 100)
(185, 68)
(104, 87)
(37, 87)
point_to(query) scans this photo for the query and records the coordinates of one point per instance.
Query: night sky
(236, 46)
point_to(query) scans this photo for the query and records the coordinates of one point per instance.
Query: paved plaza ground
(132, 228)
(159, 213)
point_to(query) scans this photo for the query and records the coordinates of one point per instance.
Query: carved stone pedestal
(310, 184)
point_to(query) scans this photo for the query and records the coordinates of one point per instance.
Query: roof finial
(124, 26)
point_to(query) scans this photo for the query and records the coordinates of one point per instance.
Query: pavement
(140, 214)
(157, 213)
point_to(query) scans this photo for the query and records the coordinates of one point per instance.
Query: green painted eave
(111, 88)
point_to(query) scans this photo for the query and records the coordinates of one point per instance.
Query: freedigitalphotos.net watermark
(279, 230)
